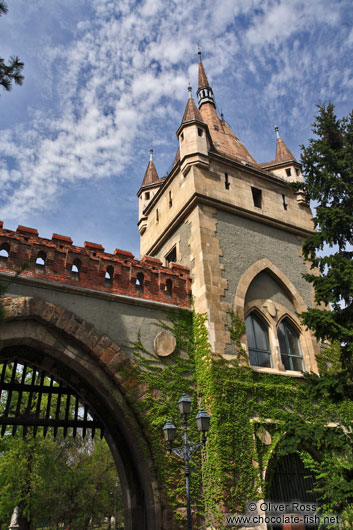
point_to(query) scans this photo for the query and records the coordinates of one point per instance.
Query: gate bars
(31, 398)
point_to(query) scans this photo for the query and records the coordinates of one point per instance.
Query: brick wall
(86, 267)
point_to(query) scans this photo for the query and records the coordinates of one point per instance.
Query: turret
(193, 136)
(149, 187)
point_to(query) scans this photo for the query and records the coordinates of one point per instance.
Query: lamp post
(187, 449)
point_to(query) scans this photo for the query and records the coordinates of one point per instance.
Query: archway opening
(291, 492)
(44, 400)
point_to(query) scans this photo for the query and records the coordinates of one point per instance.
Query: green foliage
(328, 169)
(165, 383)
(11, 72)
(299, 415)
(69, 481)
(3, 8)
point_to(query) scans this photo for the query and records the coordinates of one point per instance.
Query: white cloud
(129, 64)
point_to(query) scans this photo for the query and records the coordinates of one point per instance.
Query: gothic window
(290, 347)
(169, 287)
(4, 252)
(40, 261)
(109, 274)
(258, 343)
(288, 171)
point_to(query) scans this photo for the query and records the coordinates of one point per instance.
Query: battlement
(59, 260)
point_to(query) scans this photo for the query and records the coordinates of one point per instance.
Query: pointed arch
(58, 341)
(265, 265)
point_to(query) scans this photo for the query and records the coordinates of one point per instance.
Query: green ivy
(294, 414)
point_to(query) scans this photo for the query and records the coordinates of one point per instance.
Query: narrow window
(257, 197)
(147, 195)
(169, 287)
(40, 261)
(258, 343)
(139, 281)
(75, 270)
(170, 200)
(285, 205)
(171, 257)
(157, 215)
(226, 181)
(297, 172)
(4, 252)
(182, 136)
(109, 274)
(200, 132)
(288, 171)
(290, 347)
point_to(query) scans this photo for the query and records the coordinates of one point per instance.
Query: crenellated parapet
(90, 267)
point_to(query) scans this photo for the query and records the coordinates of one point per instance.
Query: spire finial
(199, 52)
(190, 91)
(151, 154)
(222, 115)
(277, 131)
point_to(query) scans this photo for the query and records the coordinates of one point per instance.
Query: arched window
(4, 252)
(139, 281)
(109, 274)
(75, 270)
(290, 347)
(258, 343)
(169, 287)
(40, 261)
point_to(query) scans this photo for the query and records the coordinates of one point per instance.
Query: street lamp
(187, 449)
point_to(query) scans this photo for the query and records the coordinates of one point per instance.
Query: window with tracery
(258, 342)
(290, 347)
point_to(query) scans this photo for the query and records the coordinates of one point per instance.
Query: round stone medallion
(164, 343)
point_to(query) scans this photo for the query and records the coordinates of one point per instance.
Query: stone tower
(239, 227)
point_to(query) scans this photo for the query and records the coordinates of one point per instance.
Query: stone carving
(164, 343)
(14, 519)
(271, 308)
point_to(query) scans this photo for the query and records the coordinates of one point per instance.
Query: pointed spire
(151, 174)
(203, 81)
(191, 111)
(282, 152)
(204, 91)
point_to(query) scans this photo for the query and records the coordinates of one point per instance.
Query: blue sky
(106, 79)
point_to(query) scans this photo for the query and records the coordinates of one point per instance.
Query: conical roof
(223, 138)
(282, 151)
(203, 81)
(191, 112)
(151, 174)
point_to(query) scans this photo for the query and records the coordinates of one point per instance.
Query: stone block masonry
(90, 267)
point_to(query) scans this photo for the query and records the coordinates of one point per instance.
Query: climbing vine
(255, 418)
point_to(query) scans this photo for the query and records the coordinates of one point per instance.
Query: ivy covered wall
(255, 418)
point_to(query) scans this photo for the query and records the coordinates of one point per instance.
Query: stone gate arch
(101, 373)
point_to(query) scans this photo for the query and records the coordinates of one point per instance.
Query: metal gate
(33, 401)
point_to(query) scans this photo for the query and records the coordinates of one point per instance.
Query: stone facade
(221, 227)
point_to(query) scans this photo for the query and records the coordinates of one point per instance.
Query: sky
(107, 79)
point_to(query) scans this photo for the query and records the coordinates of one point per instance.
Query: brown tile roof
(282, 152)
(203, 81)
(224, 139)
(191, 112)
(151, 174)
